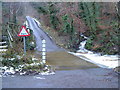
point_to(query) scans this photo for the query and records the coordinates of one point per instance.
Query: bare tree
(14, 9)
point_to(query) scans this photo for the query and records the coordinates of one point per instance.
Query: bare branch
(11, 10)
(18, 8)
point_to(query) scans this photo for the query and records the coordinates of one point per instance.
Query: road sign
(23, 32)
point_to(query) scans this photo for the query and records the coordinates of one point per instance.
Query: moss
(89, 44)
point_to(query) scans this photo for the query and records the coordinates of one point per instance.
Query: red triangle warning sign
(23, 32)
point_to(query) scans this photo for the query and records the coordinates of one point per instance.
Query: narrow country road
(39, 35)
(72, 72)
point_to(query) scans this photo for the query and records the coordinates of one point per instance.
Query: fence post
(43, 51)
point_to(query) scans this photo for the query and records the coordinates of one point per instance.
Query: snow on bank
(47, 73)
(104, 61)
(37, 21)
(6, 71)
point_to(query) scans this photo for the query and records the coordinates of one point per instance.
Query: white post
(43, 51)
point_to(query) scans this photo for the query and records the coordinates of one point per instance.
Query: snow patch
(11, 59)
(105, 61)
(19, 57)
(32, 43)
(84, 36)
(34, 59)
(7, 71)
(39, 77)
(47, 73)
(3, 50)
(22, 73)
(37, 22)
(32, 64)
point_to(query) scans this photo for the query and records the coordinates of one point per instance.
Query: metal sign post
(23, 33)
(24, 46)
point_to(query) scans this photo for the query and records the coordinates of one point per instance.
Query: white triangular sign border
(23, 32)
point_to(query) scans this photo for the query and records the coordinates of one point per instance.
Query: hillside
(68, 21)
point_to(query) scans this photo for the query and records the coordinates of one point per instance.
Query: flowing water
(64, 60)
